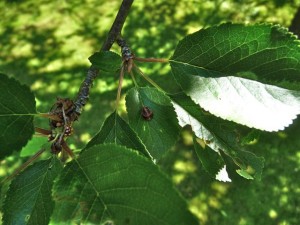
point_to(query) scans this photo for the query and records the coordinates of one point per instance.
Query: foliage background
(46, 45)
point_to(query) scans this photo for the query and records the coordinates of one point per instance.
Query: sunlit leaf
(222, 175)
(244, 174)
(29, 199)
(106, 60)
(158, 131)
(17, 107)
(113, 183)
(219, 135)
(205, 65)
(116, 130)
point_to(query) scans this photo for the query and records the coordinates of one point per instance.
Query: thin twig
(120, 86)
(24, 165)
(148, 78)
(117, 26)
(115, 31)
(154, 60)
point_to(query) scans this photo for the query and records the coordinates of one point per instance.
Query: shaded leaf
(17, 108)
(253, 165)
(116, 130)
(251, 137)
(217, 134)
(106, 60)
(159, 131)
(205, 63)
(29, 199)
(211, 160)
(113, 183)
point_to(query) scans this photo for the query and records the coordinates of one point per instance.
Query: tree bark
(92, 73)
(117, 26)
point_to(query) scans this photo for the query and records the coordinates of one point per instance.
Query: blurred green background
(46, 45)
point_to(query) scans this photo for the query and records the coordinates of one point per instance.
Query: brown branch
(92, 73)
(117, 26)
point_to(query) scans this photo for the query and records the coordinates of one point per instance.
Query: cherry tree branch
(117, 26)
(92, 73)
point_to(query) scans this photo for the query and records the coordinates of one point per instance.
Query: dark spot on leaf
(147, 113)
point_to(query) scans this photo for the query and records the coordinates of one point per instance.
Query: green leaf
(17, 108)
(116, 130)
(33, 145)
(205, 63)
(160, 131)
(113, 183)
(264, 51)
(29, 199)
(244, 174)
(106, 60)
(211, 160)
(251, 137)
(253, 165)
(219, 135)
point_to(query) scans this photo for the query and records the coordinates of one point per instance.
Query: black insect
(147, 113)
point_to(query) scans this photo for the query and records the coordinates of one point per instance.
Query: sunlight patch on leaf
(247, 102)
(215, 135)
(214, 66)
(223, 175)
(184, 118)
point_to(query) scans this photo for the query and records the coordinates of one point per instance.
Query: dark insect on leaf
(147, 113)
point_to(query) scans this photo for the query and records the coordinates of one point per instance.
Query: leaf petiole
(24, 165)
(148, 79)
(151, 60)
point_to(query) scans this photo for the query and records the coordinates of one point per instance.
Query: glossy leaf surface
(212, 65)
(116, 130)
(217, 134)
(159, 131)
(113, 183)
(106, 60)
